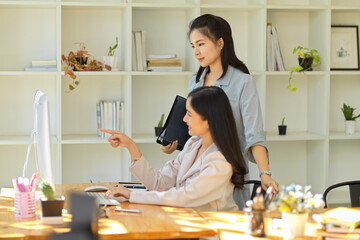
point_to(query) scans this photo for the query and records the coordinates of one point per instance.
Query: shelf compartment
(343, 161)
(303, 109)
(343, 89)
(304, 163)
(312, 29)
(147, 106)
(163, 21)
(26, 40)
(247, 33)
(98, 163)
(18, 99)
(79, 106)
(107, 24)
(13, 160)
(349, 4)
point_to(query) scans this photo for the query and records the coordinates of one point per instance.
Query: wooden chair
(354, 189)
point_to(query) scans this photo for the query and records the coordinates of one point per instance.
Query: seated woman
(205, 172)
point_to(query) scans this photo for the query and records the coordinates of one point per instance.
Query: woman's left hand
(267, 181)
(118, 191)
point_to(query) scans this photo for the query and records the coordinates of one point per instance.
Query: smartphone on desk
(133, 185)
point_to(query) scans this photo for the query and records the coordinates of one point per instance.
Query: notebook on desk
(175, 128)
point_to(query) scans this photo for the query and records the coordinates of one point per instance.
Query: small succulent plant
(47, 190)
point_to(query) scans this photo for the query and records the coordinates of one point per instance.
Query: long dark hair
(212, 104)
(214, 28)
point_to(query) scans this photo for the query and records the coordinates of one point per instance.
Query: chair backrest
(257, 183)
(354, 189)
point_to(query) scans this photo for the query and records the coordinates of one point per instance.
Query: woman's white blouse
(204, 184)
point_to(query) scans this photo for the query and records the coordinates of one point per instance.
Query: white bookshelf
(315, 151)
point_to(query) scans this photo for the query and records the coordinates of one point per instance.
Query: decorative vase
(349, 127)
(111, 61)
(294, 224)
(282, 129)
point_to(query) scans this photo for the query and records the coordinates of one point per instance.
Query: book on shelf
(162, 56)
(139, 50)
(165, 69)
(163, 60)
(110, 115)
(41, 69)
(41, 63)
(274, 59)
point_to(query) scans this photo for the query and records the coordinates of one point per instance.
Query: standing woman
(204, 174)
(211, 38)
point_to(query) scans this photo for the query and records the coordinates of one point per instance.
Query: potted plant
(350, 118)
(308, 59)
(282, 127)
(81, 61)
(295, 201)
(51, 205)
(158, 128)
(110, 59)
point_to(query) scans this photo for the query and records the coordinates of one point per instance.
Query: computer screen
(41, 136)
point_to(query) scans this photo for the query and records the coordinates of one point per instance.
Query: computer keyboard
(100, 198)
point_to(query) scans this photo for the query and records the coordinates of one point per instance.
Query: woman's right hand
(119, 139)
(170, 148)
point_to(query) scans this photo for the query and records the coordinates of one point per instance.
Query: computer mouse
(96, 189)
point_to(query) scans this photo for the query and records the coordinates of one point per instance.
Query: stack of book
(110, 115)
(274, 60)
(340, 223)
(42, 66)
(163, 62)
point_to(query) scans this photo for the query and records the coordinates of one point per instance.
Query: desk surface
(154, 222)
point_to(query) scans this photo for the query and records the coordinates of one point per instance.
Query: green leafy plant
(47, 190)
(308, 59)
(161, 122)
(283, 121)
(112, 47)
(349, 112)
(296, 199)
(81, 61)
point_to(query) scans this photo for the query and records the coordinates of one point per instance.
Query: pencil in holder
(25, 204)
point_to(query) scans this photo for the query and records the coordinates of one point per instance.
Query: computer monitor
(42, 139)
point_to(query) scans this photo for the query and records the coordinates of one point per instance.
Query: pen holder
(25, 204)
(254, 222)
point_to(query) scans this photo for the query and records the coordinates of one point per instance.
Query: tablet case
(175, 128)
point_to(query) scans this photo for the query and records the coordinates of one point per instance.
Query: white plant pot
(111, 61)
(350, 126)
(294, 224)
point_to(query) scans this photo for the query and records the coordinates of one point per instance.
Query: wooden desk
(155, 222)
(230, 225)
